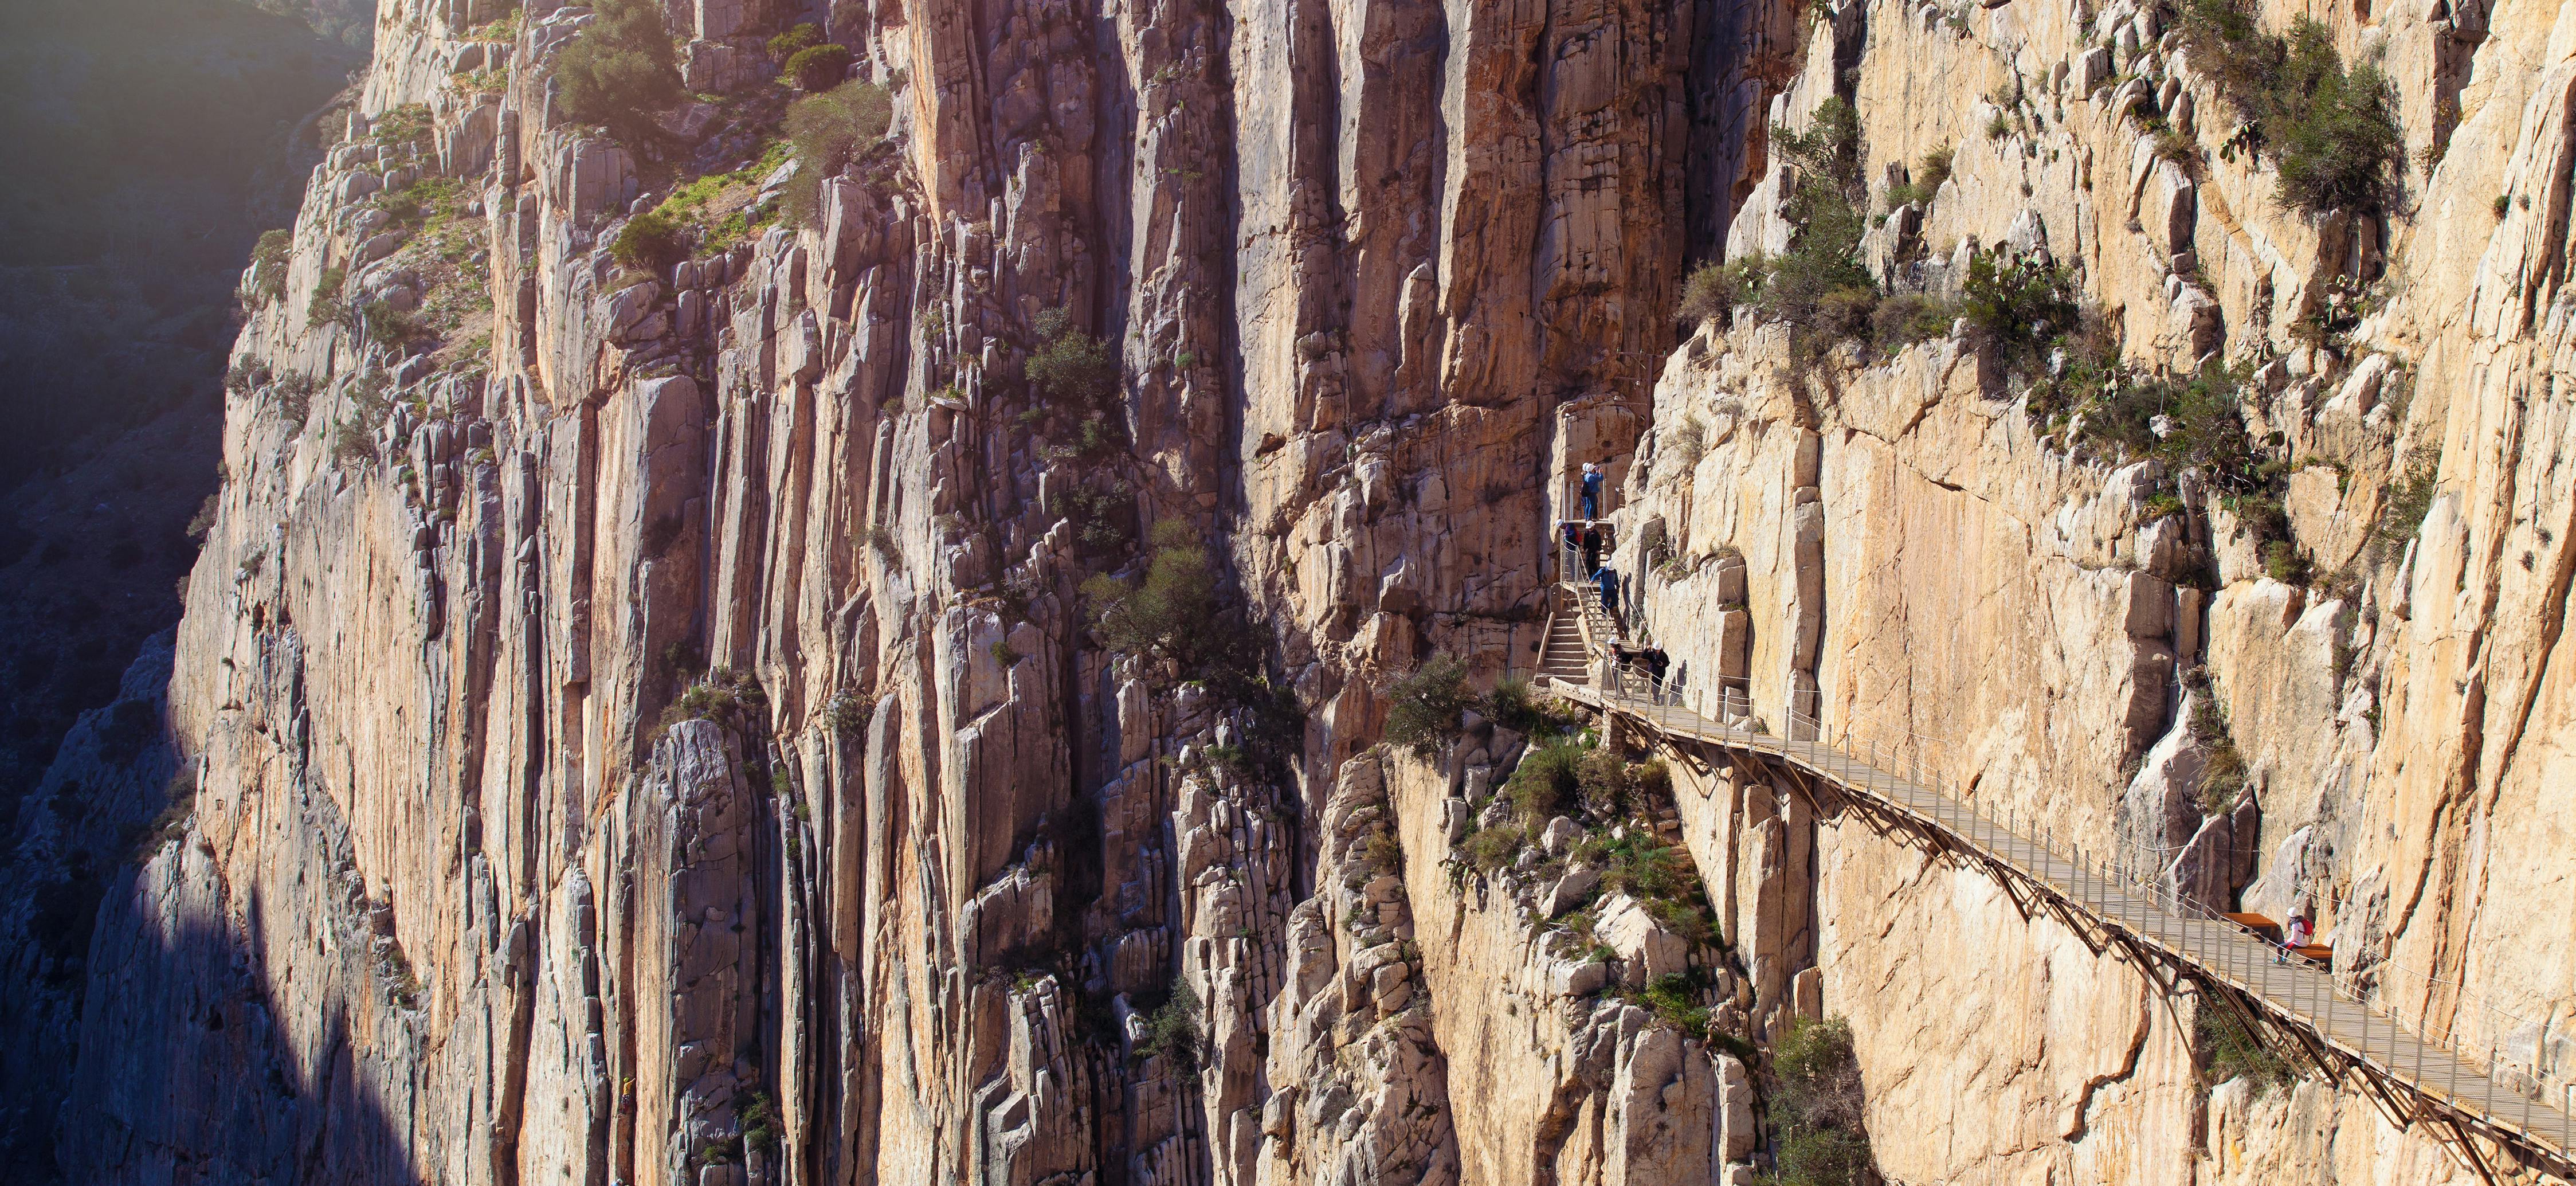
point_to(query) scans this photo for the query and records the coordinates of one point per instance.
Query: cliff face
(645, 727)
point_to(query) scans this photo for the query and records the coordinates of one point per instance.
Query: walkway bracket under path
(2293, 1007)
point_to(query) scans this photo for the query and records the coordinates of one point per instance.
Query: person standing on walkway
(1609, 581)
(1591, 491)
(1592, 549)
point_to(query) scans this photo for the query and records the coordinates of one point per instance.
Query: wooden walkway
(2295, 1007)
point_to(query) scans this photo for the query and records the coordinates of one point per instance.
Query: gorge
(837, 591)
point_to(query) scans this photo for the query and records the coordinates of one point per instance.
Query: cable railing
(2135, 888)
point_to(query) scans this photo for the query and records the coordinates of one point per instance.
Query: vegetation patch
(268, 260)
(1926, 180)
(1816, 1107)
(1171, 614)
(725, 696)
(620, 71)
(2021, 305)
(1172, 1029)
(2222, 771)
(817, 67)
(1818, 287)
(2226, 1050)
(829, 132)
(2331, 131)
(714, 211)
(1424, 708)
(650, 242)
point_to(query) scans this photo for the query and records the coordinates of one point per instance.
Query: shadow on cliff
(184, 1069)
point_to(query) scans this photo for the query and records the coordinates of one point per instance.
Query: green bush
(1709, 295)
(2205, 425)
(1830, 147)
(759, 1123)
(818, 68)
(1818, 287)
(1546, 783)
(2226, 1051)
(620, 71)
(2222, 768)
(1926, 181)
(1820, 1081)
(1072, 371)
(2332, 132)
(2409, 499)
(1603, 785)
(1423, 708)
(407, 126)
(327, 307)
(1824, 1158)
(294, 392)
(1171, 614)
(1674, 996)
(2283, 562)
(2020, 304)
(270, 258)
(1489, 849)
(650, 242)
(828, 131)
(389, 327)
(1905, 318)
(786, 45)
(726, 696)
(1511, 706)
(1172, 1030)
(1661, 877)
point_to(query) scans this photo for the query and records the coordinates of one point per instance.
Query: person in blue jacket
(1591, 490)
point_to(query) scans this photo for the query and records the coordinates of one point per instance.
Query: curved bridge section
(2297, 1007)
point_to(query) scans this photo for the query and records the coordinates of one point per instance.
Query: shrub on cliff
(2226, 1050)
(1424, 708)
(817, 67)
(2022, 305)
(1818, 287)
(620, 71)
(2341, 148)
(1171, 613)
(788, 44)
(829, 131)
(1070, 370)
(2333, 132)
(1546, 783)
(269, 260)
(1489, 849)
(1817, 1106)
(327, 305)
(650, 242)
(1172, 1030)
(1926, 181)
(1511, 706)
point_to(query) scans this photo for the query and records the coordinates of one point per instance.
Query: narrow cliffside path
(2297, 1006)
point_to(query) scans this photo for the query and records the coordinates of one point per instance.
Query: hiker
(1592, 549)
(1591, 491)
(1657, 663)
(2294, 935)
(1609, 579)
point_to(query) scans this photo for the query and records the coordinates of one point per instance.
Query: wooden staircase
(1563, 656)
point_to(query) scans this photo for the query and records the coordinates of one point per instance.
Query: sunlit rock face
(662, 717)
